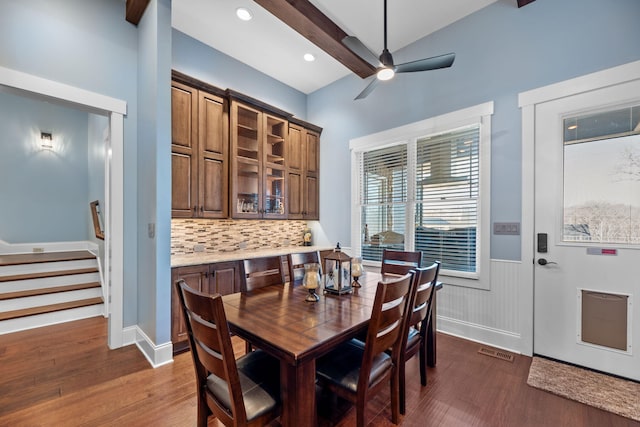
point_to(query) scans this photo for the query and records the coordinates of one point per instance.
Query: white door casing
(115, 110)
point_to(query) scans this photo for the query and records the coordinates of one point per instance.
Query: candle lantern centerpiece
(337, 272)
(311, 281)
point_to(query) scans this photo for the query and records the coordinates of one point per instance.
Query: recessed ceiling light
(572, 127)
(309, 57)
(244, 14)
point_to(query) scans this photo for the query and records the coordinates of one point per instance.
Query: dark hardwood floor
(65, 375)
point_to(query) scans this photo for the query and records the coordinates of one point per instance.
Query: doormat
(591, 388)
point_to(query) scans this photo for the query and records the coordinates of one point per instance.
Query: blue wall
(43, 193)
(154, 172)
(500, 51)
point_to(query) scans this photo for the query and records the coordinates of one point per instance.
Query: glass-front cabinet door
(257, 163)
(274, 167)
(274, 199)
(246, 155)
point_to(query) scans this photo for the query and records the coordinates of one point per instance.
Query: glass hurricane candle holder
(311, 281)
(356, 272)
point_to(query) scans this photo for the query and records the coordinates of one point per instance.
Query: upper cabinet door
(246, 161)
(312, 151)
(274, 172)
(295, 148)
(199, 154)
(184, 155)
(213, 140)
(183, 106)
(213, 124)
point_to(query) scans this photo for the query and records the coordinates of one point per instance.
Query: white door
(587, 205)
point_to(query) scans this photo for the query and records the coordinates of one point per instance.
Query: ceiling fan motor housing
(386, 58)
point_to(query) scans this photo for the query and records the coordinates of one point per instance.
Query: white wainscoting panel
(488, 316)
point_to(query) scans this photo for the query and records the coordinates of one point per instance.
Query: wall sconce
(46, 141)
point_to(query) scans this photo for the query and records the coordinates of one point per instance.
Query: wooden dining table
(279, 321)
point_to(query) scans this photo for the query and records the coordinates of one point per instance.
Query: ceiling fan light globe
(385, 74)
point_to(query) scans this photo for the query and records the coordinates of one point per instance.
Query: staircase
(39, 289)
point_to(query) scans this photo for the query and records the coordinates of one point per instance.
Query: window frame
(409, 135)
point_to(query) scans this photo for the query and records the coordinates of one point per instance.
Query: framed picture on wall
(97, 219)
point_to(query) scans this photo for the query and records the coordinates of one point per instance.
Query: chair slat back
(399, 262)
(296, 263)
(261, 272)
(211, 347)
(386, 324)
(426, 279)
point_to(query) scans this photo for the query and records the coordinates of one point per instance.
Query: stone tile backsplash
(221, 235)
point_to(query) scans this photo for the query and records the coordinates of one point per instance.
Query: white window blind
(446, 211)
(383, 200)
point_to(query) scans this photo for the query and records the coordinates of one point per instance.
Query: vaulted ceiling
(282, 31)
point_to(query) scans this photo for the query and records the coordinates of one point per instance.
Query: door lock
(542, 243)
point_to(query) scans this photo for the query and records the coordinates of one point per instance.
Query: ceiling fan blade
(367, 90)
(433, 63)
(357, 47)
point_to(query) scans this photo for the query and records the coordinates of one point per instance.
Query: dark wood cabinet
(197, 277)
(199, 153)
(303, 160)
(221, 277)
(236, 156)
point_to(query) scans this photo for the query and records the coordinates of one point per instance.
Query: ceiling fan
(384, 64)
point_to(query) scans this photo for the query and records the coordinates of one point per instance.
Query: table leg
(431, 334)
(298, 390)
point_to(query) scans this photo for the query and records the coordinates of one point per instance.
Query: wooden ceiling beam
(524, 2)
(135, 9)
(316, 27)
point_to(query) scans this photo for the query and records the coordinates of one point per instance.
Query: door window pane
(602, 180)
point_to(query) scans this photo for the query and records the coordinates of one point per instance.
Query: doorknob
(543, 261)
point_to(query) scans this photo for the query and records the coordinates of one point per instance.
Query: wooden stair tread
(36, 258)
(44, 274)
(49, 308)
(45, 291)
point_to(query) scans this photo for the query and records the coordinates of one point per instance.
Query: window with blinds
(446, 208)
(426, 186)
(383, 200)
(442, 200)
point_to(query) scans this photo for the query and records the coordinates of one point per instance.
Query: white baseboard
(482, 334)
(157, 355)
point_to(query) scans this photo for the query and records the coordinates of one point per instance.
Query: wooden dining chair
(355, 370)
(258, 273)
(243, 392)
(261, 272)
(399, 262)
(296, 263)
(417, 322)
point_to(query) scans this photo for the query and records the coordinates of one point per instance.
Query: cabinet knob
(201, 208)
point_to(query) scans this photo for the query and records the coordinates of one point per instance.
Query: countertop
(211, 257)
